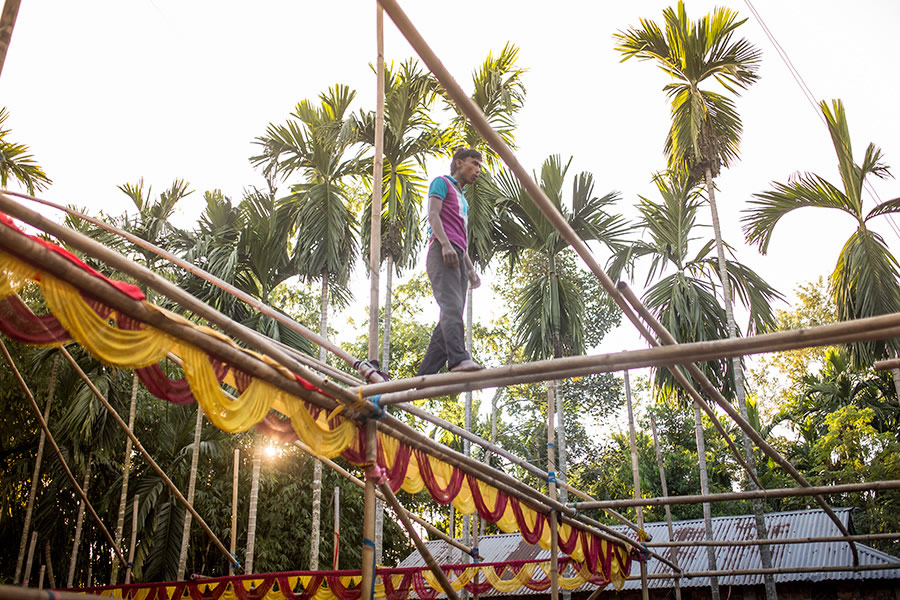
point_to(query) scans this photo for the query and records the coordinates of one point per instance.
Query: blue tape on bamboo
(379, 409)
(551, 477)
(369, 543)
(474, 553)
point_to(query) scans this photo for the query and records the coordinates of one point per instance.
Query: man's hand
(448, 252)
(474, 280)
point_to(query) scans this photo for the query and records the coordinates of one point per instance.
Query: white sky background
(107, 92)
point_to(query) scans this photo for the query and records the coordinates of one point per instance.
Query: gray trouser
(449, 285)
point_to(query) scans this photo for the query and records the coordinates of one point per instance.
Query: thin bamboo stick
(41, 577)
(79, 523)
(251, 521)
(197, 271)
(844, 488)
(780, 571)
(129, 566)
(56, 450)
(337, 528)
(673, 553)
(551, 490)
(417, 541)
(7, 24)
(377, 173)
(870, 537)
(698, 375)
(48, 560)
(140, 447)
(152, 280)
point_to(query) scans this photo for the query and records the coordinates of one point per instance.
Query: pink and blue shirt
(454, 210)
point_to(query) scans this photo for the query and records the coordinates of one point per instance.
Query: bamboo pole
(234, 505)
(9, 592)
(551, 490)
(56, 450)
(194, 270)
(192, 485)
(747, 428)
(870, 537)
(153, 281)
(79, 523)
(417, 541)
(635, 477)
(7, 24)
(780, 571)
(129, 566)
(377, 174)
(28, 561)
(427, 386)
(337, 528)
(673, 553)
(35, 477)
(845, 488)
(367, 589)
(140, 447)
(887, 365)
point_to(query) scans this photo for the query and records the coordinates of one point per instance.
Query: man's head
(466, 165)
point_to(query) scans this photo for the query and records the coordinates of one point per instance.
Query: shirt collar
(453, 179)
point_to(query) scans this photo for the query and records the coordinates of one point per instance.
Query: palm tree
(318, 141)
(684, 297)
(16, 162)
(550, 307)
(866, 279)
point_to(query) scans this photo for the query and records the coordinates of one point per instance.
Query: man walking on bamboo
(448, 264)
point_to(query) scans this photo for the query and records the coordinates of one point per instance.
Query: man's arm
(474, 279)
(448, 252)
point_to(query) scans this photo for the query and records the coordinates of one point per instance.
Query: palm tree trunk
(192, 481)
(7, 23)
(635, 478)
(707, 511)
(126, 471)
(254, 498)
(49, 562)
(765, 556)
(37, 472)
(315, 535)
(79, 523)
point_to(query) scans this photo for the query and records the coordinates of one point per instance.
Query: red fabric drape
(529, 535)
(20, 324)
(441, 496)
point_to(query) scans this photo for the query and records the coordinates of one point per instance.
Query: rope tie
(575, 506)
(377, 474)
(551, 477)
(474, 554)
(369, 543)
(379, 409)
(551, 445)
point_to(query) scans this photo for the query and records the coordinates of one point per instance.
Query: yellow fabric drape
(316, 433)
(13, 274)
(114, 346)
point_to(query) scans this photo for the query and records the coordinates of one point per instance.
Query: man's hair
(462, 153)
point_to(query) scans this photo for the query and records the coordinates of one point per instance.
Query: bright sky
(106, 92)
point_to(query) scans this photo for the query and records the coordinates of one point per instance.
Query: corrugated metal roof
(794, 524)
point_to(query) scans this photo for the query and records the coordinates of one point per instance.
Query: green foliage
(866, 278)
(17, 162)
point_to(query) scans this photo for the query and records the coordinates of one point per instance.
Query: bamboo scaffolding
(59, 455)
(140, 447)
(417, 541)
(778, 571)
(129, 566)
(699, 376)
(844, 488)
(367, 585)
(171, 291)
(673, 553)
(635, 477)
(60, 267)
(870, 537)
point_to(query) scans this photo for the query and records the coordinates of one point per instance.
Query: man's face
(467, 170)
